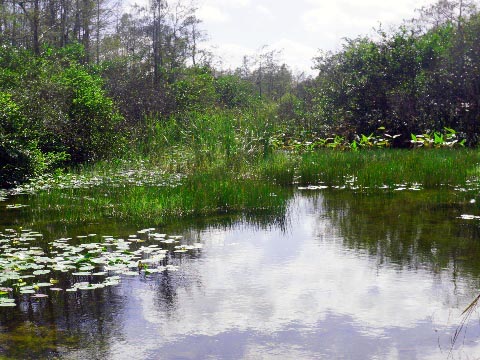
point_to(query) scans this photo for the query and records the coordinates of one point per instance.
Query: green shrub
(195, 91)
(20, 155)
(233, 92)
(91, 130)
(52, 109)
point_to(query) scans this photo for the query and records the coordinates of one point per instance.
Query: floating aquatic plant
(469, 217)
(16, 206)
(137, 175)
(89, 265)
(7, 302)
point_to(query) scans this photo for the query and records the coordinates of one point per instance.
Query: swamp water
(339, 275)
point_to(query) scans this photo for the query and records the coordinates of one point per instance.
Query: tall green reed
(389, 167)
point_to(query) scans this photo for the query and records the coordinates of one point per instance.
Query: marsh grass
(278, 168)
(391, 167)
(198, 195)
(148, 194)
(201, 138)
(243, 142)
(202, 164)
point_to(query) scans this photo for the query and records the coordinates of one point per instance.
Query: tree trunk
(86, 29)
(98, 32)
(35, 26)
(63, 23)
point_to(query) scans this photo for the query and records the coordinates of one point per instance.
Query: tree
(264, 70)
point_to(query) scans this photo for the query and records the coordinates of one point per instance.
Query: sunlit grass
(201, 164)
(149, 193)
(378, 168)
(197, 195)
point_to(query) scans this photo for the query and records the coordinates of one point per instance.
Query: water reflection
(341, 276)
(409, 230)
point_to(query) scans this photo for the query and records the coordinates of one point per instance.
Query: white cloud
(212, 13)
(349, 17)
(230, 54)
(228, 3)
(264, 11)
(297, 55)
(237, 3)
(333, 21)
(332, 17)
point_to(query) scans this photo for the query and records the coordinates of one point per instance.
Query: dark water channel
(340, 275)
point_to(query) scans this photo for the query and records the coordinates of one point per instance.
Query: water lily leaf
(6, 300)
(41, 272)
(27, 291)
(43, 284)
(38, 296)
(130, 273)
(82, 273)
(86, 268)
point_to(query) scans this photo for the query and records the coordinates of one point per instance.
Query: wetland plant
(37, 269)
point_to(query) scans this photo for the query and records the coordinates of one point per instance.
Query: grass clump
(202, 194)
(390, 167)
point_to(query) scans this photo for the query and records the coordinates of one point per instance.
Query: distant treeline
(78, 79)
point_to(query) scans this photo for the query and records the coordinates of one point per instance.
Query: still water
(339, 275)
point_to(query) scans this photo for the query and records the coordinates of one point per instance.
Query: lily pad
(43, 284)
(27, 291)
(5, 304)
(39, 296)
(41, 272)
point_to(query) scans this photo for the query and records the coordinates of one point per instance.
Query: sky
(299, 28)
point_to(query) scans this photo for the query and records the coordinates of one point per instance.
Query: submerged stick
(466, 315)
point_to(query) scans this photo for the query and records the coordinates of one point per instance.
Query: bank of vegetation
(82, 86)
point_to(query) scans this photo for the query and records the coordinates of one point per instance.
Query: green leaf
(354, 146)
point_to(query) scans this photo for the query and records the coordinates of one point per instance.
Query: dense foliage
(76, 87)
(53, 111)
(410, 81)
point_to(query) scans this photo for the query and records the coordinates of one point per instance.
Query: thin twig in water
(467, 313)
